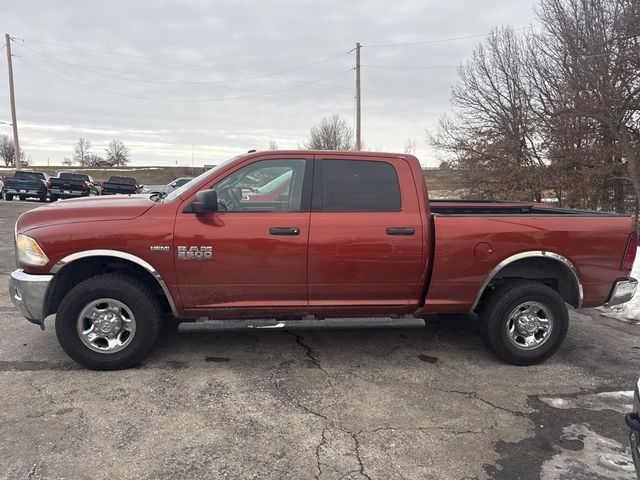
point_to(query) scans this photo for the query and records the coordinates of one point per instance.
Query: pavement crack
(474, 395)
(33, 470)
(318, 447)
(311, 354)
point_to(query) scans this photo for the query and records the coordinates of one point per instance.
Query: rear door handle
(401, 230)
(284, 231)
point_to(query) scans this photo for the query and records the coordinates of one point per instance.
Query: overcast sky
(223, 76)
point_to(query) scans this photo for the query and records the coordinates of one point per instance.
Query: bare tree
(273, 145)
(587, 73)
(410, 146)
(67, 162)
(117, 153)
(492, 135)
(81, 151)
(7, 150)
(332, 133)
(93, 160)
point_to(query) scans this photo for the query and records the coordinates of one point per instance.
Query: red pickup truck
(350, 234)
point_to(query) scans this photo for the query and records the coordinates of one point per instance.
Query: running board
(324, 324)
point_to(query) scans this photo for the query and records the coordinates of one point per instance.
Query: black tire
(128, 290)
(53, 198)
(496, 309)
(23, 198)
(43, 199)
(8, 197)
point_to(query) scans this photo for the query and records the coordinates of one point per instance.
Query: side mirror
(205, 201)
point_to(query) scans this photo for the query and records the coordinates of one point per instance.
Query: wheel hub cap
(529, 325)
(106, 325)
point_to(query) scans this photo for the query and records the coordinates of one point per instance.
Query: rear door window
(356, 186)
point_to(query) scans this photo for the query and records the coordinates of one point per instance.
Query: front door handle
(401, 230)
(284, 231)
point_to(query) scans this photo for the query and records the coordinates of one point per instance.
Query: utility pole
(358, 124)
(16, 143)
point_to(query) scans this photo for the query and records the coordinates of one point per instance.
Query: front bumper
(28, 293)
(622, 292)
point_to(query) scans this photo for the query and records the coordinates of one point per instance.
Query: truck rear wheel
(8, 197)
(524, 322)
(108, 322)
(53, 198)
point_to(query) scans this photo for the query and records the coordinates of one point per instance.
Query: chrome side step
(324, 324)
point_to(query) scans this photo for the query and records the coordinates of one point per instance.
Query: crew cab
(25, 184)
(120, 185)
(353, 234)
(71, 185)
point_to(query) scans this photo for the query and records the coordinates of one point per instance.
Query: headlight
(29, 252)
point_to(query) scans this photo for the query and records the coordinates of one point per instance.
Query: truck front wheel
(524, 322)
(108, 322)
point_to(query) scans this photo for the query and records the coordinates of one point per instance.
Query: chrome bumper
(622, 292)
(28, 293)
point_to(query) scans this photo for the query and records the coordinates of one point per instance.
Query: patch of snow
(600, 456)
(619, 401)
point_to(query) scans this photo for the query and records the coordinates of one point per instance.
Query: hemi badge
(160, 248)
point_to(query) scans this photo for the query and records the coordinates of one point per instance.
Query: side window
(263, 186)
(359, 186)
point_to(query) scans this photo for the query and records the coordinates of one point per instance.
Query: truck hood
(88, 209)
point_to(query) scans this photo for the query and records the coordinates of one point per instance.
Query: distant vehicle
(633, 422)
(71, 185)
(120, 185)
(26, 184)
(1, 187)
(168, 188)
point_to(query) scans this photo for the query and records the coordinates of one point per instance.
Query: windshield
(179, 191)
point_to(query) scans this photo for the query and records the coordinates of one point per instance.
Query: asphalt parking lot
(397, 403)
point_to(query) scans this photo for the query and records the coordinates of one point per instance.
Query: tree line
(116, 155)
(552, 112)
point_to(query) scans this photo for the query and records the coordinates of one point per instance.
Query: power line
(433, 42)
(172, 62)
(187, 100)
(427, 67)
(221, 83)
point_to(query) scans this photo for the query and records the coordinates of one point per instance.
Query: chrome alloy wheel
(529, 325)
(106, 325)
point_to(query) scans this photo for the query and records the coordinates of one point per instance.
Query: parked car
(25, 184)
(120, 185)
(355, 235)
(632, 420)
(71, 185)
(1, 187)
(169, 187)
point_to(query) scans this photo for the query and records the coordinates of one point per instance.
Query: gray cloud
(160, 108)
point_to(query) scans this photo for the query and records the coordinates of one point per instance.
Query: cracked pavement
(412, 403)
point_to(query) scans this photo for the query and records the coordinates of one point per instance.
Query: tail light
(49, 183)
(85, 186)
(630, 252)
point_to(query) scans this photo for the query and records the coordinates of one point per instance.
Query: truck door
(366, 233)
(252, 252)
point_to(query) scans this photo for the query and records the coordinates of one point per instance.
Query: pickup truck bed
(71, 185)
(120, 185)
(346, 234)
(26, 184)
